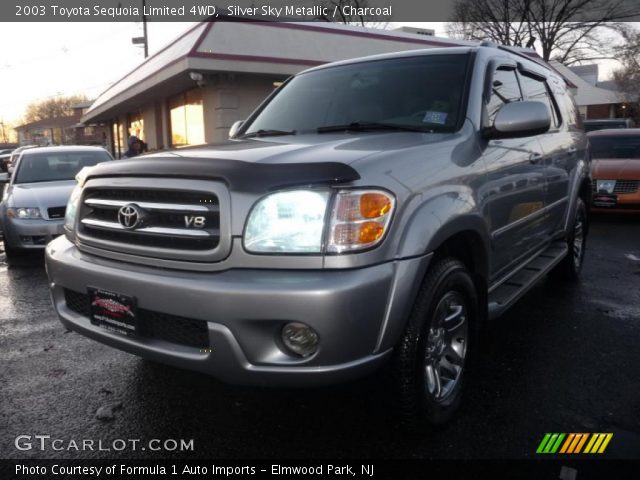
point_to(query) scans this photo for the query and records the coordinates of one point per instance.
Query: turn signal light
(359, 219)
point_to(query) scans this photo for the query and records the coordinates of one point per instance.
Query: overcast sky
(42, 60)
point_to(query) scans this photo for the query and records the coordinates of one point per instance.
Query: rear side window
(504, 89)
(535, 89)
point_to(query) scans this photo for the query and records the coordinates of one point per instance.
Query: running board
(512, 288)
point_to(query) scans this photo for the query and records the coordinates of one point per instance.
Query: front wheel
(10, 253)
(571, 266)
(431, 361)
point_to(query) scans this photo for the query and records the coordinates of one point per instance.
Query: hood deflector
(238, 175)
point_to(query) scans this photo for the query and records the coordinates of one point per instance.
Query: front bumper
(358, 314)
(30, 234)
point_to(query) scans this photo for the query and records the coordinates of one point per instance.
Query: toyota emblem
(129, 216)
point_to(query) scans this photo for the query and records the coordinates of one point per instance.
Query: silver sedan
(33, 205)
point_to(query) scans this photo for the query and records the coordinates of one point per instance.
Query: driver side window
(504, 89)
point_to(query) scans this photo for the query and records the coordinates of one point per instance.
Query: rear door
(558, 147)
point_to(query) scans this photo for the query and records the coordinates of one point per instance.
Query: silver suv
(373, 211)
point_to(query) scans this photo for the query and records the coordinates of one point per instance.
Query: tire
(431, 361)
(10, 253)
(571, 266)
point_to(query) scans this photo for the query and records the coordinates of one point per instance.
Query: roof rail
(538, 60)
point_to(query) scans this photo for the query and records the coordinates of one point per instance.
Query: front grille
(56, 212)
(621, 186)
(162, 326)
(168, 219)
(626, 186)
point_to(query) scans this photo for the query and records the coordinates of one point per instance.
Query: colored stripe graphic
(581, 442)
(572, 443)
(543, 443)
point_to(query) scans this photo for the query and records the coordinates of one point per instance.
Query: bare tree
(52, 107)
(627, 77)
(7, 133)
(571, 31)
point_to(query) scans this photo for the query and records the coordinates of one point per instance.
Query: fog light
(301, 339)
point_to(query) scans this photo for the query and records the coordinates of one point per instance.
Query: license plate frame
(605, 200)
(113, 311)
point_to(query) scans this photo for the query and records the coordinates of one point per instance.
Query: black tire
(10, 253)
(424, 401)
(571, 266)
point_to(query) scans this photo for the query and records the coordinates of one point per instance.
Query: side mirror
(235, 127)
(520, 119)
(10, 169)
(4, 178)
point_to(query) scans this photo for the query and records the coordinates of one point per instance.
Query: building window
(136, 126)
(118, 140)
(187, 119)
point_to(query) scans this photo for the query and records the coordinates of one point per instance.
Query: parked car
(4, 161)
(15, 154)
(606, 123)
(369, 211)
(616, 169)
(33, 206)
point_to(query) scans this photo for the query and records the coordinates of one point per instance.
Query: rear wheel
(431, 361)
(571, 266)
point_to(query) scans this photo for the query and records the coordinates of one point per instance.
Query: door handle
(572, 150)
(535, 158)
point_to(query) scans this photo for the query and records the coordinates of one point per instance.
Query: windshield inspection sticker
(435, 117)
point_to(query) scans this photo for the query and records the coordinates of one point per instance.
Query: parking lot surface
(564, 359)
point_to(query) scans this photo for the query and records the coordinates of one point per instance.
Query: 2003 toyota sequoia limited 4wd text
(371, 211)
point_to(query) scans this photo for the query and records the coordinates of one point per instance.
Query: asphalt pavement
(564, 359)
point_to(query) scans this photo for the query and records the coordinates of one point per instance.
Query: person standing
(135, 147)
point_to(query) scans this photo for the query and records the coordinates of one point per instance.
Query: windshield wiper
(360, 126)
(267, 133)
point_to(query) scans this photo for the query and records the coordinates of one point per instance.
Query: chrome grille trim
(150, 230)
(116, 204)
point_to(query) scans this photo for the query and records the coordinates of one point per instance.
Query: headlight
(24, 213)
(72, 209)
(291, 222)
(294, 221)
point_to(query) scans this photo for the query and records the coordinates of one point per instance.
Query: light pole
(143, 40)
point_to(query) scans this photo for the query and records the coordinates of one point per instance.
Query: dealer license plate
(113, 311)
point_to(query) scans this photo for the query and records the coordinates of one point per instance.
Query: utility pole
(143, 40)
(144, 29)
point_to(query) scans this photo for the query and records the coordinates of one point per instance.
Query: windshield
(615, 147)
(421, 93)
(592, 127)
(50, 167)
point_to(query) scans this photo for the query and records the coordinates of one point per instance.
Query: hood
(311, 148)
(267, 164)
(616, 168)
(43, 195)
